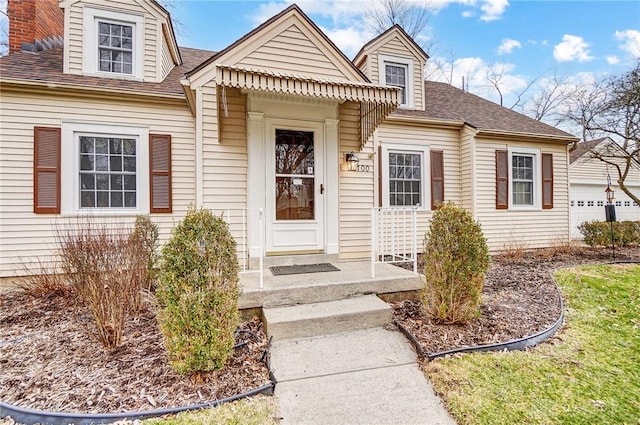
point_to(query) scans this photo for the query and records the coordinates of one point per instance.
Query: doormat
(303, 268)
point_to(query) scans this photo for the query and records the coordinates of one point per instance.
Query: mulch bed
(519, 300)
(49, 361)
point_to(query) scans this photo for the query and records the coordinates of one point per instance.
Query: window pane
(87, 199)
(130, 199)
(129, 164)
(115, 163)
(127, 69)
(115, 146)
(102, 181)
(102, 163)
(102, 199)
(129, 182)
(116, 199)
(116, 182)
(86, 145)
(87, 181)
(86, 162)
(129, 147)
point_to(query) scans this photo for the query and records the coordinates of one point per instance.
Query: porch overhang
(376, 102)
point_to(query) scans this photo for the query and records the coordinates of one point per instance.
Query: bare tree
(412, 16)
(611, 107)
(548, 103)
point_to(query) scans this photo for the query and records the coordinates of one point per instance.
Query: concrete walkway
(368, 376)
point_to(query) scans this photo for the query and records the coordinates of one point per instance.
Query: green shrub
(598, 233)
(456, 262)
(198, 291)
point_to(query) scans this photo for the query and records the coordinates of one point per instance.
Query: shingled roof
(584, 147)
(444, 102)
(46, 67)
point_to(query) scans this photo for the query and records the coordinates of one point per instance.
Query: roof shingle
(447, 103)
(46, 67)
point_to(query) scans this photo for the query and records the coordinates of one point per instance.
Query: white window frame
(70, 167)
(537, 177)
(405, 62)
(387, 148)
(91, 56)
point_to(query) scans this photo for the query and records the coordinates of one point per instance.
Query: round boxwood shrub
(456, 262)
(198, 292)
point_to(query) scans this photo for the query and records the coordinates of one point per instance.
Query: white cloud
(468, 14)
(572, 48)
(349, 40)
(507, 46)
(630, 41)
(493, 9)
(613, 60)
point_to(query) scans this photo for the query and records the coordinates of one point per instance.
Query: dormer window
(113, 44)
(398, 72)
(396, 76)
(115, 47)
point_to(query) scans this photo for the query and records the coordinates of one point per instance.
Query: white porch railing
(394, 236)
(237, 219)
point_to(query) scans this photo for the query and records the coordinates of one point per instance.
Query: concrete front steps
(325, 318)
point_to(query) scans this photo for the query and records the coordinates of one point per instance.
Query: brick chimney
(34, 25)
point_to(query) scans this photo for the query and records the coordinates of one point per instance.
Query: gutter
(123, 93)
(407, 119)
(507, 135)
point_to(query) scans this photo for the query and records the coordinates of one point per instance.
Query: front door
(295, 189)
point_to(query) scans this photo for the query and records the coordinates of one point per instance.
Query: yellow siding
(74, 44)
(167, 61)
(27, 236)
(225, 159)
(356, 190)
(506, 229)
(595, 171)
(467, 170)
(292, 51)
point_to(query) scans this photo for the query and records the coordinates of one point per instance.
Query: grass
(255, 411)
(589, 373)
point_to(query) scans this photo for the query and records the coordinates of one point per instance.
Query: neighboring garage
(588, 181)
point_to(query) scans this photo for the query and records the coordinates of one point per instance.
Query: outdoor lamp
(352, 161)
(609, 192)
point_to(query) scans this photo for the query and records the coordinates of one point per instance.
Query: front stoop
(325, 318)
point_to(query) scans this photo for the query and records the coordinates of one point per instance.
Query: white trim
(70, 172)
(408, 63)
(537, 176)
(90, 58)
(426, 172)
(332, 159)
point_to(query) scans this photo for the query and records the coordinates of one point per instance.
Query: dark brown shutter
(547, 181)
(437, 179)
(502, 180)
(160, 172)
(46, 170)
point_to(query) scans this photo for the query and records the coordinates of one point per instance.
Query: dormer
(132, 40)
(394, 59)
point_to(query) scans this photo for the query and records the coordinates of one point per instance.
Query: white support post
(373, 242)
(415, 240)
(261, 224)
(244, 241)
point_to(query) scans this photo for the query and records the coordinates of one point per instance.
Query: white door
(294, 188)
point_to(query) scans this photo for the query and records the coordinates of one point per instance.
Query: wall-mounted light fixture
(352, 161)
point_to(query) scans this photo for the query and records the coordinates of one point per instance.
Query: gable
(592, 170)
(289, 43)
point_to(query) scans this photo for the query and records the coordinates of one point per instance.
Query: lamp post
(610, 213)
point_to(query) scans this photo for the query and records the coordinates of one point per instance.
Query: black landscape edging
(32, 416)
(516, 344)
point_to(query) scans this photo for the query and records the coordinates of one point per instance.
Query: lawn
(255, 411)
(589, 373)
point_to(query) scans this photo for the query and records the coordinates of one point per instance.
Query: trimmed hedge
(198, 290)
(598, 233)
(456, 262)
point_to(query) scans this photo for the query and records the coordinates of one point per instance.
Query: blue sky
(521, 40)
